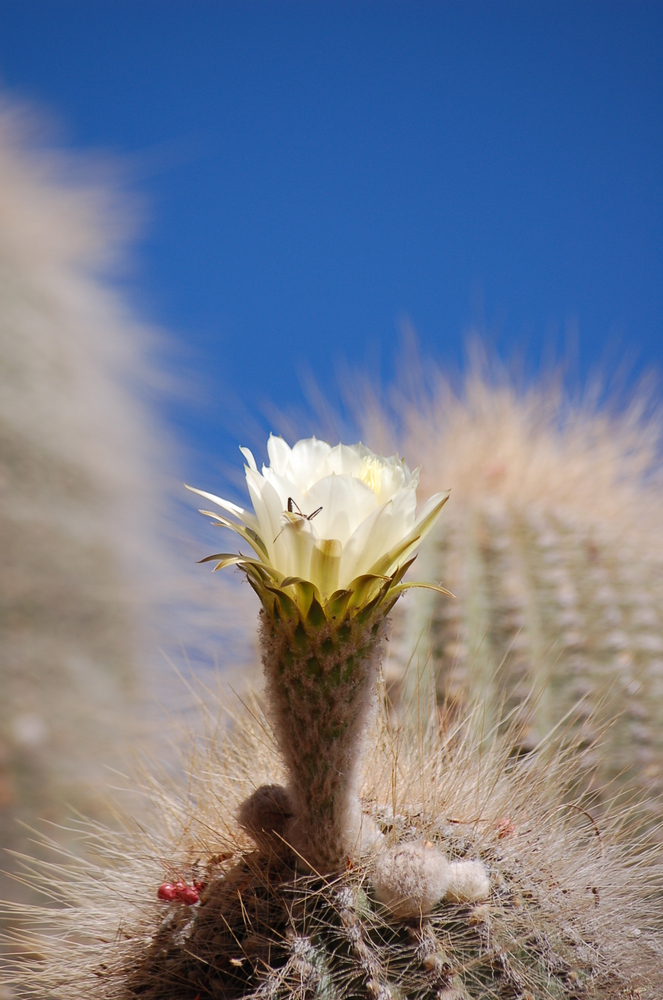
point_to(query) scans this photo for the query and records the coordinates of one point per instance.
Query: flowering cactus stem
(334, 531)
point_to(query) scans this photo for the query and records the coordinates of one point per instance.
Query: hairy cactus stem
(321, 679)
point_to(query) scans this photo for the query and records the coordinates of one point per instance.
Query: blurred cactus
(553, 546)
(74, 441)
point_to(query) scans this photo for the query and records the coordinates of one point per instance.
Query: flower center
(370, 472)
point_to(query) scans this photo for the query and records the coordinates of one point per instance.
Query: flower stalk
(321, 681)
(333, 534)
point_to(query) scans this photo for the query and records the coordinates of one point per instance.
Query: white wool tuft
(468, 882)
(410, 879)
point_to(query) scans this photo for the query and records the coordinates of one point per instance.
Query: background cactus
(553, 545)
(73, 445)
(89, 561)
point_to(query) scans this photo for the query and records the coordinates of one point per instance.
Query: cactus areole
(333, 531)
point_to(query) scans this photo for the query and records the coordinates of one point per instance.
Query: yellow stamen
(370, 473)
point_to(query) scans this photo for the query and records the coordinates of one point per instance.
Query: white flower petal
(406, 545)
(267, 506)
(248, 456)
(279, 454)
(298, 540)
(366, 545)
(286, 489)
(345, 503)
(378, 534)
(329, 515)
(325, 565)
(306, 459)
(244, 515)
(392, 479)
(430, 504)
(344, 460)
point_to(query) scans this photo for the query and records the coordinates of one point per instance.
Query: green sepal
(267, 600)
(228, 559)
(363, 586)
(389, 603)
(305, 590)
(402, 570)
(287, 605)
(248, 534)
(224, 557)
(258, 542)
(338, 603)
(316, 615)
(383, 565)
(255, 567)
(256, 571)
(365, 612)
(265, 573)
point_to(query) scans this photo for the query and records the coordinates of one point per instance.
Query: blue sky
(316, 173)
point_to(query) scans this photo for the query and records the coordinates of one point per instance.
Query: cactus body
(552, 544)
(482, 878)
(570, 913)
(551, 616)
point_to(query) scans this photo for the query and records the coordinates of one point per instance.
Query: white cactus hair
(468, 882)
(411, 878)
(589, 896)
(527, 442)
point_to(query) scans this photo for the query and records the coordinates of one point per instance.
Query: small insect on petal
(167, 892)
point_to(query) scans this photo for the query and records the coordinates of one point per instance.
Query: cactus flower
(341, 519)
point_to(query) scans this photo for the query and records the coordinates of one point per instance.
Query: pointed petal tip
(248, 457)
